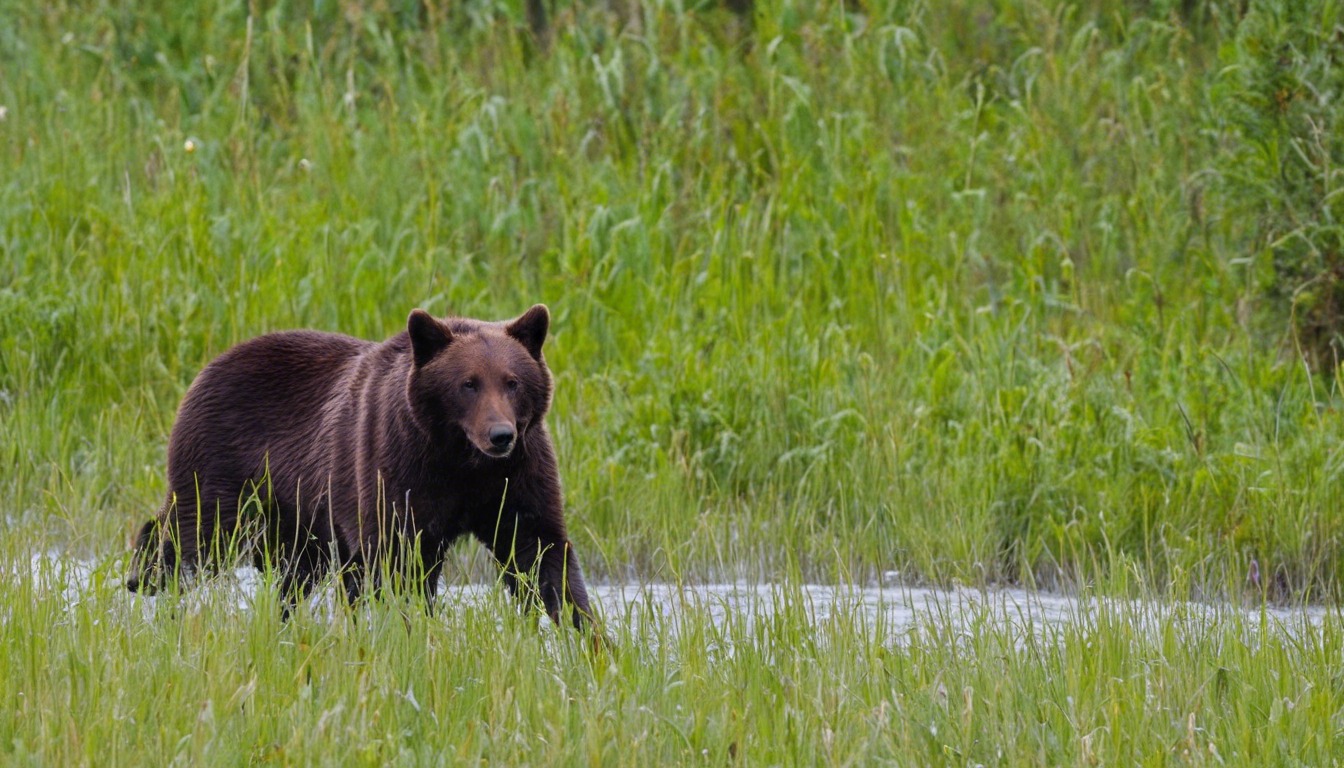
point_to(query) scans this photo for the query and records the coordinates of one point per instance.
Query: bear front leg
(560, 575)
(551, 561)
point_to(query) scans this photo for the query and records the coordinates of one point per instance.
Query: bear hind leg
(305, 552)
(155, 556)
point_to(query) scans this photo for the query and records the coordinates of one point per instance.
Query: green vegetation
(982, 292)
(207, 683)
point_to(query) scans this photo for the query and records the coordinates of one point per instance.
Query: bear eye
(512, 384)
(469, 385)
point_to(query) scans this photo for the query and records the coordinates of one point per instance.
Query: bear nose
(501, 436)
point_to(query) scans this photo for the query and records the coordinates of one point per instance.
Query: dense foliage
(979, 292)
(984, 292)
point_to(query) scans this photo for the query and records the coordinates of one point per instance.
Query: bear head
(486, 382)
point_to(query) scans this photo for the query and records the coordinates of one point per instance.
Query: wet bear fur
(316, 450)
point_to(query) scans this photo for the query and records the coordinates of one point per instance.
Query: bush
(1281, 101)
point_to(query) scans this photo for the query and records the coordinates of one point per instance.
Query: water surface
(894, 611)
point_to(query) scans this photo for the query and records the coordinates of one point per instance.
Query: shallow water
(890, 611)
(900, 613)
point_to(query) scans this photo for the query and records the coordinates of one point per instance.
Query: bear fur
(314, 450)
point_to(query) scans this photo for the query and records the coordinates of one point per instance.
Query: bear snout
(501, 438)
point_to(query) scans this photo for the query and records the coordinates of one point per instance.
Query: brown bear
(314, 449)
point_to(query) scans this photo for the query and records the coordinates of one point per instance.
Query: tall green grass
(974, 292)
(786, 682)
(952, 291)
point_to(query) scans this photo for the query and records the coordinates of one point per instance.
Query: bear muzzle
(501, 439)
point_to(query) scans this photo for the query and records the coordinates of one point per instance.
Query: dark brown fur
(315, 448)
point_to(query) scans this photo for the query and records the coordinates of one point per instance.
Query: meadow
(980, 293)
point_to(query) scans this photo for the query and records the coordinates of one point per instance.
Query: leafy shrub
(1281, 100)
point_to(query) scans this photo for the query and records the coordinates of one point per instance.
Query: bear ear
(429, 337)
(530, 329)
